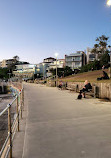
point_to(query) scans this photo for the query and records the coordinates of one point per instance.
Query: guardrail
(6, 150)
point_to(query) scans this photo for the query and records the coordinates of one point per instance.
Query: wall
(103, 90)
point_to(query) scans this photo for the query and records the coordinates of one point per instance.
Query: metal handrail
(1, 113)
(3, 147)
(7, 153)
(7, 146)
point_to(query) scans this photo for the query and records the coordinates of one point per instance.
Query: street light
(43, 70)
(56, 55)
(108, 2)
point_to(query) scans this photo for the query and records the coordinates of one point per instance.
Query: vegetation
(62, 72)
(101, 49)
(11, 67)
(4, 73)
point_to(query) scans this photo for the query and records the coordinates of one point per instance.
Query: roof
(78, 53)
(49, 58)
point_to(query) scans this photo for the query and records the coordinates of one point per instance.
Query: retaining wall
(103, 90)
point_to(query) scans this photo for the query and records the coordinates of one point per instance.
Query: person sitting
(86, 88)
(60, 85)
(104, 76)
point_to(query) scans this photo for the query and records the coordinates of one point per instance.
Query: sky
(37, 29)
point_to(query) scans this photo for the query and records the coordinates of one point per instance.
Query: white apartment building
(75, 60)
(25, 70)
(60, 64)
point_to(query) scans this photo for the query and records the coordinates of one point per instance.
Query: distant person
(60, 85)
(86, 88)
(104, 76)
(103, 67)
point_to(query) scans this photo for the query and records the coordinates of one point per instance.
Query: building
(90, 56)
(44, 66)
(9, 62)
(0, 64)
(26, 71)
(49, 60)
(60, 64)
(6, 63)
(75, 60)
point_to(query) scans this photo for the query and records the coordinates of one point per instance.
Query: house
(44, 66)
(75, 60)
(60, 64)
(7, 62)
(25, 71)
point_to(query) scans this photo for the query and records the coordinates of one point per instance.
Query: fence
(13, 123)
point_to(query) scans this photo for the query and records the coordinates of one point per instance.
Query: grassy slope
(90, 76)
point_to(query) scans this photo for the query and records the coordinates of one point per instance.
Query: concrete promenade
(57, 125)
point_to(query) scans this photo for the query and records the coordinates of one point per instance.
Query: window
(77, 64)
(77, 58)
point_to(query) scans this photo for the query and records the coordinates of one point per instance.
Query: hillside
(90, 76)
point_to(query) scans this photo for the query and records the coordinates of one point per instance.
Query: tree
(100, 47)
(62, 72)
(104, 59)
(16, 57)
(3, 73)
(14, 62)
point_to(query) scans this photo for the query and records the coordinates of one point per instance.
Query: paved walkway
(59, 126)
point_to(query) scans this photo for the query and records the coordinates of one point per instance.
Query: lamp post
(43, 70)
(109, 4)
(56, 55)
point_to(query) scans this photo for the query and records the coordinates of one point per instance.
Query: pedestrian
(103, 67)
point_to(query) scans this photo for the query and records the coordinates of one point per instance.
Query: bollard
(9, 130)
(94, 91)
(23, 97)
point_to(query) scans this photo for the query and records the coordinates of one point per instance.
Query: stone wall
(103, 90)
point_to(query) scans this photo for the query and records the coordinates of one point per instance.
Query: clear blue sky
(36, 29)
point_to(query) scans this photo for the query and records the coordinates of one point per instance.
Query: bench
(76, 88)
(91, 92)
(70, 88)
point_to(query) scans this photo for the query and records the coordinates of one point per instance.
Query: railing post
(9, 130)
(17, 112)
(21, 103)
(23, 97)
